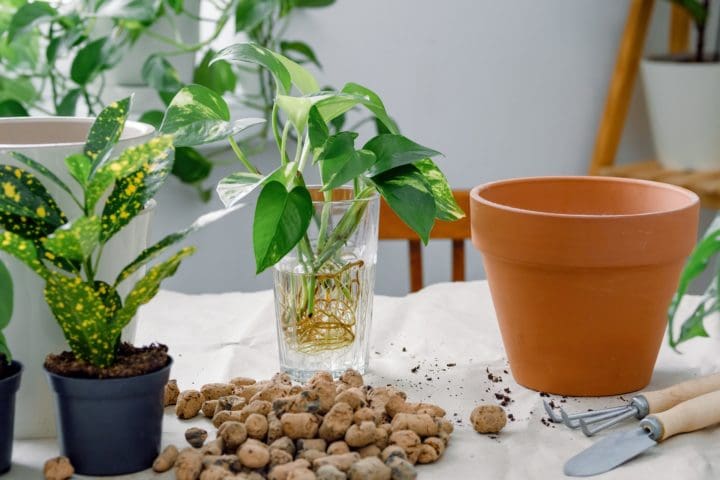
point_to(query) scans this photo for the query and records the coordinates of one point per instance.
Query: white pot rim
(133, 130)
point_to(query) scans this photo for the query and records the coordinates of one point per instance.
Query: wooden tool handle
(661, 400)
(694, 414)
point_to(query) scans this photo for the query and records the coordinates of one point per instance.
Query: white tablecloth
(215, 337)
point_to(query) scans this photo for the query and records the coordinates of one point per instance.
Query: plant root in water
(331, 323)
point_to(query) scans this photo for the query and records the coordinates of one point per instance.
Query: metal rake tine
(589, 431)
(600, 416)
(554, 417)
(573, 420)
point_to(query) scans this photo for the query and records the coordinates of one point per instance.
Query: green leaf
(160, 247)
(253, 53)
(307, 54)
(406, 192)
(83, 318)
(145, 289)
(6, 296)
(90, 60)
(12, 108)
(21, 193)
(218, 77)
(281, 220)
(4, 350)
(352, 95)
(301, 78)
(696, 10)
(447, 207)
(79, 167)
(318, 131)
(160, 74)
(693, 326)
(41, 169)
(68, 104)
(340, 162)
(176, 5)
(132, 192)
(28, 16)
(251, 13)
(138, 10)
(75, 240)
(152, 117)
(105, 132)
(23, 250)
(197, 115)
(190, 165)
(297, 109)
(237, 186)
(394, 151)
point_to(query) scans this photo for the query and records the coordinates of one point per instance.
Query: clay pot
(581, 271)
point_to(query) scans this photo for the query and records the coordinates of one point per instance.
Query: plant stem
(700, 50)
(283, 145)
(241, 156)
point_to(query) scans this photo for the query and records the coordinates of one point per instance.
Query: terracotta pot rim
(475, 195)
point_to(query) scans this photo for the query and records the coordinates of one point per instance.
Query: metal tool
(592, 422)
(616, 449)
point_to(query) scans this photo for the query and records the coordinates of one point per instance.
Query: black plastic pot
(110, 426)
(8, 387)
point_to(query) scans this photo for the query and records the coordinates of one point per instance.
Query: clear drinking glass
(324, 288)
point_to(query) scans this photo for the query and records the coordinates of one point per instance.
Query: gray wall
(504, 89)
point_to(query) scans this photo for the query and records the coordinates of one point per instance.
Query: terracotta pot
(581, 271)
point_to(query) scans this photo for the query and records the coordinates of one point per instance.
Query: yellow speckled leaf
(129, 161)
(23, 250)
(23, 195)
(75, 240)
(147, 287)
(105, 132)
(83, 317)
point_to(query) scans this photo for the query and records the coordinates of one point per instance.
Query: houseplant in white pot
(108, 392)
(683, 99)
(49, 140)
(10, 372)
(322, 239)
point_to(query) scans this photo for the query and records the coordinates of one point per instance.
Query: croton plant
(111, 189)
(6, 309)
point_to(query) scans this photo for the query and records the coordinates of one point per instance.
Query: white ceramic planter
(33, 332)
(683, 101)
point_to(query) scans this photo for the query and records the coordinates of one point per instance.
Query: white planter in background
(683, 101)
(33, 332)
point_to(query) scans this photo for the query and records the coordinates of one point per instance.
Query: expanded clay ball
(166, 460)
(488, 418)
(196, 436)
(58, 468)
(189, 404)
(171, 393)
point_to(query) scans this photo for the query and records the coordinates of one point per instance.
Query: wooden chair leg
(679, 39)
(458, 260)
(621, 85)
(416, 267)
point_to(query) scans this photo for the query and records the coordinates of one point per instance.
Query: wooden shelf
(706, 184)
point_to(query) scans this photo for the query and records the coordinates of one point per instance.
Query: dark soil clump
(130, 362)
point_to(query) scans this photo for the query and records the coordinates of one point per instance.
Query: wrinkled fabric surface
(438, 345)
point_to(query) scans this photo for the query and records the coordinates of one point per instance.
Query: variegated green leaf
(155, 250)
(109, 296)
(23, 250)
(129, 161)
(41, 169)
(79, 167)
(147, 287)
(21, 193)
(83, 317)
(447, 207)
(237, 186)
(132, 192)
(75, 240)
(105, 132)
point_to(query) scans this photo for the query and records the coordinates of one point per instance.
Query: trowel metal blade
(609, 453)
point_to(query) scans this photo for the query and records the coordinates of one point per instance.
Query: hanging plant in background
(35, 38)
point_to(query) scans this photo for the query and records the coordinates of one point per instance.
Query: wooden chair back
(392, 228)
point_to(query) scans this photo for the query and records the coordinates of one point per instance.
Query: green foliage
(90, 311)
(36, 38)
(705, 251)
(399, 169)
(695, 8)
(6, 308)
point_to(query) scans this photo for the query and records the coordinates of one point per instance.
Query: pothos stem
(241, 156)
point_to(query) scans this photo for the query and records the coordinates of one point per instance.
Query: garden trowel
(614, 450)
